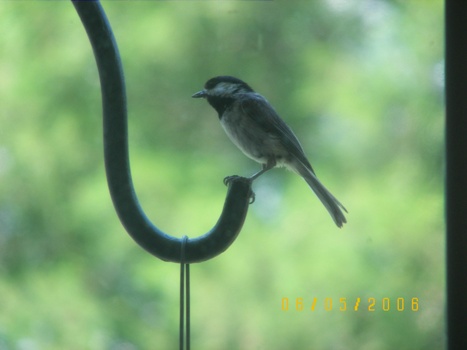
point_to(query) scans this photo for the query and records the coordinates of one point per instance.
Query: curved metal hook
(117, 164)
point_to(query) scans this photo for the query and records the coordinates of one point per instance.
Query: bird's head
(223, 87)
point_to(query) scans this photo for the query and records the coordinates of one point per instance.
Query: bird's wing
(260, 112)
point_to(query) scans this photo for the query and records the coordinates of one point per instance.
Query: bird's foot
(229, 179)
(252, 197)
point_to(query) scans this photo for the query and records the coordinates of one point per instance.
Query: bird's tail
(333, 206)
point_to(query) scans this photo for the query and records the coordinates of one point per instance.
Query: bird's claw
(229, 179)
(252, 197)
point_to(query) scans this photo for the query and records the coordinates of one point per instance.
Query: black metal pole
(117, 162)
(456, 172)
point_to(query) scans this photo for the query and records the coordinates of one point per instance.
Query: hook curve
(117, 165)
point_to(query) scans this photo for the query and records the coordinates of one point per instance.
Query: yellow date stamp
(385, 304)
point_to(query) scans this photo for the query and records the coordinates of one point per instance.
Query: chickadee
(254, 126)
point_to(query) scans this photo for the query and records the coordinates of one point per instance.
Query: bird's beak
(200, 94)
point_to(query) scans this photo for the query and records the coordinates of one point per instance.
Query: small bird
(256, 129)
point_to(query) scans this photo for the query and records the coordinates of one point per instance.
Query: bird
(255, 127)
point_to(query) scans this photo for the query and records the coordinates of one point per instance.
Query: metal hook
(117, 164)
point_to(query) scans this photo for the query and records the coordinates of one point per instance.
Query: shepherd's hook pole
(117, 163)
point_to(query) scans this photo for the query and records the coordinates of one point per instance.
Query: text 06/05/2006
(351, 304)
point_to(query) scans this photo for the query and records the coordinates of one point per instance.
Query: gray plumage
(256, 129)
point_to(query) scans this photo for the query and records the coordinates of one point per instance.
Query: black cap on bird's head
(227, 79)
(223, 85)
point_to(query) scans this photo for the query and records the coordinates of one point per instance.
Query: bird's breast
(253, 141)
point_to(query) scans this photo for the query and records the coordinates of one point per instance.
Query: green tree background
(361, 83)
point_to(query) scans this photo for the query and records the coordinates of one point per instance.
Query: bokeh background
(361, 83)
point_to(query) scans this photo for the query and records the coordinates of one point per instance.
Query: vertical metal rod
(181, 327)
(184, 337)
(187, 306)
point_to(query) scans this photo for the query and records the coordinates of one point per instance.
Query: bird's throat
(220, 104)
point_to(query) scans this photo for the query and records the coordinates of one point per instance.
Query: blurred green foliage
(361, 82)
